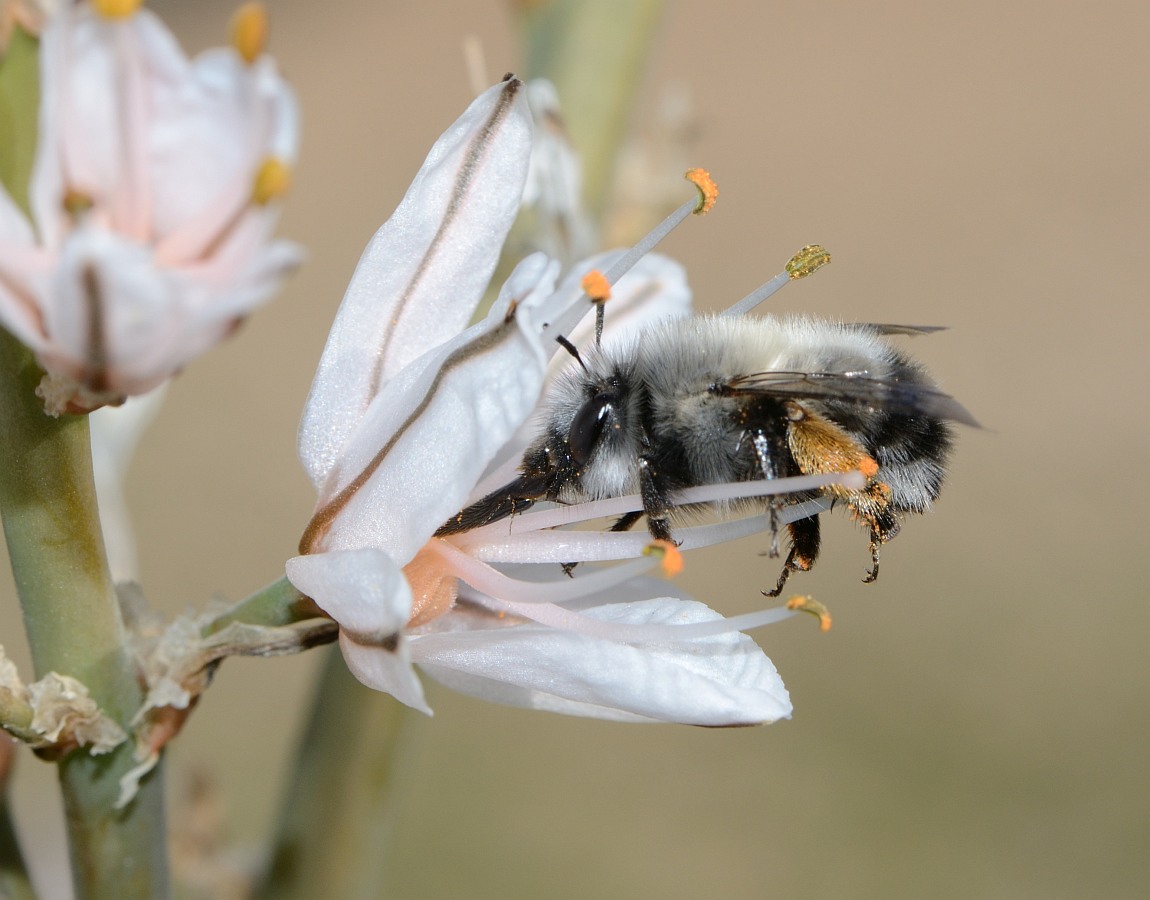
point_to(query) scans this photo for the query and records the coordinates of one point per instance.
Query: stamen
(548, 546)
(806, 262)
(272, 181)
(708, 190)
(556, 616)
(670, 559)
(814, 607)
(484, 578)
(249, 31)
(616, 506)
(598, 289)
(116, 9)
(698, 203)
(596, 286)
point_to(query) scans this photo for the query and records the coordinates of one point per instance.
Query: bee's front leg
(656, 500)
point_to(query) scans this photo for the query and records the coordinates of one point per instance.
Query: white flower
(152, 198)
(407, 413)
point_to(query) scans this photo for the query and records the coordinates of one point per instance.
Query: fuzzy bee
(711, 400)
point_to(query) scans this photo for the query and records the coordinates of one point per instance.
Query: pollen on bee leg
(868, 467)
(433, 587)
(708, 190)
(249, 31)
(670, 557)
(806, 262)
(272, 181)
(810, 605)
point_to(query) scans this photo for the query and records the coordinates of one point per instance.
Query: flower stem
(341, 808)
(72, 618)
(594, 52)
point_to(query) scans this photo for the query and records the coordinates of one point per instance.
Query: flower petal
(721, 680)
(385, 670)
(424, 271)
(428, 436)
(363, 590)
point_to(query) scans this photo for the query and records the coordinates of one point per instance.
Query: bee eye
(588, 425)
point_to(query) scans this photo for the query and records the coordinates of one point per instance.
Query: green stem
(342, 802)
(72, 618)
(594, 52)
(278, 603)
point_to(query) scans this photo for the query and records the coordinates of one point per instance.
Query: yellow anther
(708, 190)
(76, 203)
(808, 261)
(249, 31)
(116, 9)
(812, 606)
(670, 559)
(272, 181)
(596, 286)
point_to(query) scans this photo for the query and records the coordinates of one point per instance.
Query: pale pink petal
(721, 680)
(421, 276)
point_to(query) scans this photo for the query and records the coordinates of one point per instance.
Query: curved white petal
(433, 429)
(384, 670)
(116, 430)
(424, 271)
(363, 590)
(720, 680)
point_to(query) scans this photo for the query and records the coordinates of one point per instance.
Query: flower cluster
(412, 414)
(152, 201)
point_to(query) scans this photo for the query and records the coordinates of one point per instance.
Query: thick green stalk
(594, 52)
(340, 810)
(72, 618)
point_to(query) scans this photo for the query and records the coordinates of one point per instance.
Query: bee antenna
(571, 348)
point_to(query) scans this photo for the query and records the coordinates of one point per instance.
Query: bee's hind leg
(804, 551)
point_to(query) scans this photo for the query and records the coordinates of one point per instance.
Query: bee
(710, 400)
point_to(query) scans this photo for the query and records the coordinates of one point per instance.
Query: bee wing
(890, 394)
(886, 328)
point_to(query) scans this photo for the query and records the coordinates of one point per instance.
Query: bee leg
(876, 511)
(624, 523)
(804, 551)
(872, 575)
(656, 505)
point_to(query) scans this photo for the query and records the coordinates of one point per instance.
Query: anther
(272, 181)
(116, 9)
(812, 606)
(708, 190)
(596, 286)
(807, 261)
(249, 31)
(670, 557)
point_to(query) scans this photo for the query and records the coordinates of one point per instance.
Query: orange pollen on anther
(813, 607)
(249, 31)
(433, 587)
(708, 190)
(272, 181)
(868, 467)
(116, 9)
(596, 286)
(670, 557)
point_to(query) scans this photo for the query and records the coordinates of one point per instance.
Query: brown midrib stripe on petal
(322, 519)
(475, 154)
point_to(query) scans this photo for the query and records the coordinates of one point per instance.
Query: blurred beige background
(976, 723)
